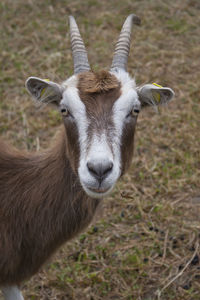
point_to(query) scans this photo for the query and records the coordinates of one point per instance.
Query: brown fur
(97, 82)
(127, 145)
(42, 205)
(72, 144)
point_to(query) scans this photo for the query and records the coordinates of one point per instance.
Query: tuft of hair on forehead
(97, 82)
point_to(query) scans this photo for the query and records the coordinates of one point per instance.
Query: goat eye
(135, 112)
(64, 111)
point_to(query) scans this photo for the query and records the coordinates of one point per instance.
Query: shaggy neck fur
(42, 205)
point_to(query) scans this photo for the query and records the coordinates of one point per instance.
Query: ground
(145, 245)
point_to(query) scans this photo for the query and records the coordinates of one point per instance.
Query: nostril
(91, 168)
(100, 170)
(107, 168)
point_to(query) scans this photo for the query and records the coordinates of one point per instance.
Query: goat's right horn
(123, 44)
(79, 52)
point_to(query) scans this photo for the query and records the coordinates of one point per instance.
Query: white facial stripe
(123, 106)
(72, 101)
(127, 100)
(99, 148)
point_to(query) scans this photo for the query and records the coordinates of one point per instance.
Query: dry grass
(146, 245)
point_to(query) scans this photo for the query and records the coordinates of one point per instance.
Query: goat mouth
(99, 191)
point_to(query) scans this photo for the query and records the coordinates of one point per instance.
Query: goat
(47, 198)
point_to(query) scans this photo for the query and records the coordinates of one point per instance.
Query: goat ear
(154, 95)
(44, 91)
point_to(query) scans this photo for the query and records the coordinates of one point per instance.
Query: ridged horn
(79, 53)
(123, 44)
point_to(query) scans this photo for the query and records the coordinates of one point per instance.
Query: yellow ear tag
(157, 95)
(158, 85)
(44, 89)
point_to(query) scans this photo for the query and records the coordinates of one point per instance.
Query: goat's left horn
(123, 44)
(79, 52)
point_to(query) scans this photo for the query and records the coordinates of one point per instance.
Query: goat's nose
(100, 170)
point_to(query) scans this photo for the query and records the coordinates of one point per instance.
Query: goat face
(99, 112)
(102, 118)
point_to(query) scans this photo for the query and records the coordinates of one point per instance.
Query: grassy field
(145, 245)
